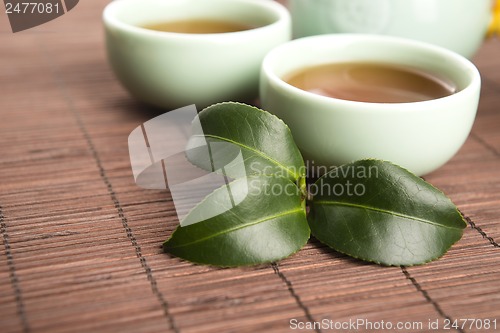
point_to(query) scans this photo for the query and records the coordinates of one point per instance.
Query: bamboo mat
(81, 243)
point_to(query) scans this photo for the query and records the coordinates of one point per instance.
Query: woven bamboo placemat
(81, 242)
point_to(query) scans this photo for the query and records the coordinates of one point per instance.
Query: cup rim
(110, 19)
(268, 70)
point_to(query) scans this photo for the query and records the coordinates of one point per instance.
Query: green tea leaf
(376, 211)
(268, 224)
(243, 140)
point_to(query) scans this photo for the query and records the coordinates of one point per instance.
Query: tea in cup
(352, 96)
(176, 53)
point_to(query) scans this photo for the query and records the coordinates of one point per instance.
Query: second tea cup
(172, 69)
(420, 136)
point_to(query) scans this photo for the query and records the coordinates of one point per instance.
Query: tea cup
(459, 25)
(420, 136)
(171, 70)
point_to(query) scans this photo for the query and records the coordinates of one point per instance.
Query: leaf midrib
(290, 212)
(385, 212)
(290, 172)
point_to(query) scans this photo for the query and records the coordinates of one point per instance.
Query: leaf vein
(290, 172)
(291, 212)
(328, 203)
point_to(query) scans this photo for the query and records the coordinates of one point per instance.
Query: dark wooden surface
(80, 242)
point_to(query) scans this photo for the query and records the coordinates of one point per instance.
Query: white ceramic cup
(420, 136)
(172, 70)
(459, 25)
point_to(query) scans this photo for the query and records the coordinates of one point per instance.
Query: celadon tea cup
(171, 70)
(420, 136)
(459, 25)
